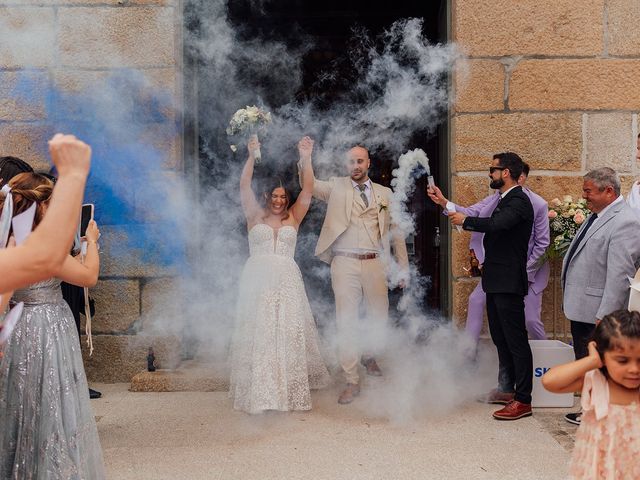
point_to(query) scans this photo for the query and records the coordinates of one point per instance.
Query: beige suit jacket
(338, 192)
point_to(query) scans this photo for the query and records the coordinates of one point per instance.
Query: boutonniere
(383, 205)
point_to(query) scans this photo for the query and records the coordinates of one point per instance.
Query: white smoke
(399, 87)
(411, 166)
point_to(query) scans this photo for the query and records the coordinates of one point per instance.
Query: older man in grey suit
(601, 257)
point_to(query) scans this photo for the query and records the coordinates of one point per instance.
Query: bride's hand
(252, 146)
(305, 147)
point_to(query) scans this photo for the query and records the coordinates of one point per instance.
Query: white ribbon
(22, 225)
(87, 326)
(87, 306)
(257, 155)
(6, 216)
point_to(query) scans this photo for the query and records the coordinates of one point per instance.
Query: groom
(355, 241)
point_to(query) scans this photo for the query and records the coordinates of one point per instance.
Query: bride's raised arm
(250, 205)
(301, 207)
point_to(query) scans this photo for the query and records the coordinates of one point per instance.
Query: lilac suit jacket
(483, 208)
(538, 242)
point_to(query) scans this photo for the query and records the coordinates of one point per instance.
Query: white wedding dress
(275, 359)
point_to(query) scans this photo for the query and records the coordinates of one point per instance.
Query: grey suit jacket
(595, 281)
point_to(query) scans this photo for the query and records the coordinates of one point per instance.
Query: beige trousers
(352, 280)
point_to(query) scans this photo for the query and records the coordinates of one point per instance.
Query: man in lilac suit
(538, 274)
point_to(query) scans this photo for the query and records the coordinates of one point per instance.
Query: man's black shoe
(94, 394)
(574, 418)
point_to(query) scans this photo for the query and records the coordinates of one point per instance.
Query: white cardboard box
(547, 354)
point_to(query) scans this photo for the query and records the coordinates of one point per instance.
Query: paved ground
(196, 435)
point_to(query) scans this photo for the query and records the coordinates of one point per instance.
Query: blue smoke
(126, 122)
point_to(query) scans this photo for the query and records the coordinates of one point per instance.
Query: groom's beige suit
(356, 241)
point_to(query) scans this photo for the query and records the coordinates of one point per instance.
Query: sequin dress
(275, 358)
(47, 426)
(608, 440)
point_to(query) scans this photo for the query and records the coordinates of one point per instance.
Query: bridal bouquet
(565, 218)
(246, 122)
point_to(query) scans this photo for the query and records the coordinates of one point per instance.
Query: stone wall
(556, 82)
(67, 45)
(553, 81)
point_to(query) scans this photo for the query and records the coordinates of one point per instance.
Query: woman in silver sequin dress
(48, 430)
(275, 358)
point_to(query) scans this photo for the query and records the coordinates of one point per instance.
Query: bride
(275, 359)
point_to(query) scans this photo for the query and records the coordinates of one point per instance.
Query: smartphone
(430, 182)
(86, 217)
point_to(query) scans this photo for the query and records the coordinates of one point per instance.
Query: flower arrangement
(248, 121)
(565, 218)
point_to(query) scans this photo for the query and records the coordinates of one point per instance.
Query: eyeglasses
(493, 169)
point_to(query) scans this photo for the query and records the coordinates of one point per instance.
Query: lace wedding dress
(47, 427)
(275, 359)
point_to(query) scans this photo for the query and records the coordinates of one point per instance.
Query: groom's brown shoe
(349, 393)
(371, 366)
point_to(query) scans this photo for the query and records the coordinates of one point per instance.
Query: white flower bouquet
(246, 122)
(565, 218)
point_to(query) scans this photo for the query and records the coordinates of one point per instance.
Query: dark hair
(525, 169)
(49, 175)
(266, 196)
(27, 188)
(613, 327)
(512, 162)
(10, 167)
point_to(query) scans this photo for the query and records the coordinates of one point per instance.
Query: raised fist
(70, 155)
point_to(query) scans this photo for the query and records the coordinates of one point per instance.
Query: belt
(357, 256)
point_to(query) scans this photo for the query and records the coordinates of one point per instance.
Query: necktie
(575, 244)
(363, 195)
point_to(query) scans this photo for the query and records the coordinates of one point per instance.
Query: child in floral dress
(608, 440)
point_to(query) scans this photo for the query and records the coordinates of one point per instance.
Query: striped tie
(363, 195)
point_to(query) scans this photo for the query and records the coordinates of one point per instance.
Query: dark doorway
(330, 26)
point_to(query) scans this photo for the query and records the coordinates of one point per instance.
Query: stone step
(190, 376)
(117, 358)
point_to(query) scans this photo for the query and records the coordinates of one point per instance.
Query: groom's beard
(359, 176)
(497, 184)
